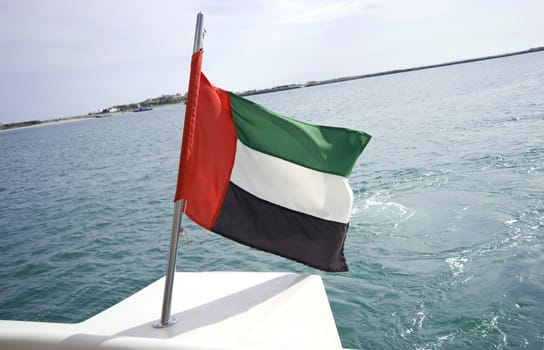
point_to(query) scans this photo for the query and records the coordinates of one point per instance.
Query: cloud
(308, 11)
(250, 43)
(43, 36)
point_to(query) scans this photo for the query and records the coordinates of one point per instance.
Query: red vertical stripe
(187, 142)
(210, 162)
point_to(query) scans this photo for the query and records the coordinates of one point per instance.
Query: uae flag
(266, 180)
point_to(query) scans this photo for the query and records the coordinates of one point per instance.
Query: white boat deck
(215, 310)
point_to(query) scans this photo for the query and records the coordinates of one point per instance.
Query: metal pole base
(171, 321)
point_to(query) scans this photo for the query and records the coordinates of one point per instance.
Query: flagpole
(177, 227)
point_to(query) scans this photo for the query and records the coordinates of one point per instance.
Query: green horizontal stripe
(323, 148)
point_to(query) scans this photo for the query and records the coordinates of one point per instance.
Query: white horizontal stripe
(292, 186)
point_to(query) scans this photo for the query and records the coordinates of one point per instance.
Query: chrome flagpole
(177, 227)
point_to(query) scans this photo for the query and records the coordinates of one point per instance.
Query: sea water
(446, 241)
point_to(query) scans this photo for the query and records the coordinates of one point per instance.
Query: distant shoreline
(168, 100)
(395, 71)
(37, 123)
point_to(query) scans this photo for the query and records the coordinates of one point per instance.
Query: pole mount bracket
(171, 321)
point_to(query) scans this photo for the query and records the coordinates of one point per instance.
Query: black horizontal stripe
(257, 223)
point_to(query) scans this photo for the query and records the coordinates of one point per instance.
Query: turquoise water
(446, 242)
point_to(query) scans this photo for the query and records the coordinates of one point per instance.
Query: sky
(62, 58)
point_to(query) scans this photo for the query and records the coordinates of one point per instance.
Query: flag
(266, 180)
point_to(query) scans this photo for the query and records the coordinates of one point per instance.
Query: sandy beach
(49, 122)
